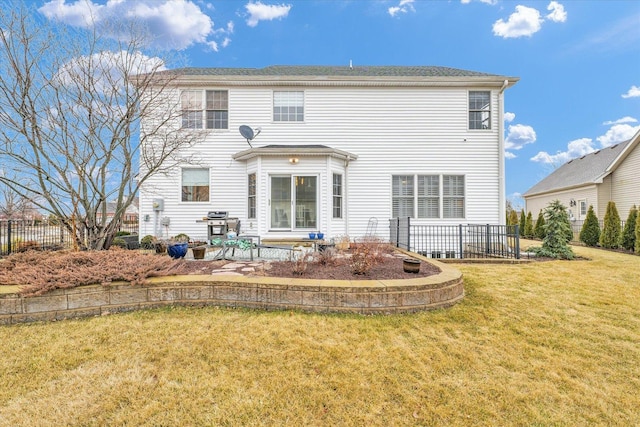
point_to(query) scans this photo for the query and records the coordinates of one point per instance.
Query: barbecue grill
(219, 224)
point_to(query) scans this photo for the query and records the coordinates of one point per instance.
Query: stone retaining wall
(355, 296)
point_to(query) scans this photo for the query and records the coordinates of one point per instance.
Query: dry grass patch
(552, 343)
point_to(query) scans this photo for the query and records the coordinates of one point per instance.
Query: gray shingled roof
(585, 170)
(338, 71)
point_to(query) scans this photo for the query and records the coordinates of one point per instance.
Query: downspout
(345, 198)
(501, 166)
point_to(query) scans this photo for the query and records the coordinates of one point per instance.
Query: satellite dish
(248, 133)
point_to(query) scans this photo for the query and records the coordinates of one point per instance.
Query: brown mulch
(389, 268)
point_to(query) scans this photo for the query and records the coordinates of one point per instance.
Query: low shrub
(119, 243)
(558, 227)
(629, 234)
(590, 232)
(147, 242)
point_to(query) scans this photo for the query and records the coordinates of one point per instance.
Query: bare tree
(70, 109)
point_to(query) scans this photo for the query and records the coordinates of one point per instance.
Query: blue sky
(578, 61)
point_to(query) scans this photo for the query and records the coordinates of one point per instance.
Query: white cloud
(508, 117)
(518, 136)
(633, 92)
(404, 6)
(509, 155)
(259, 11)
(575, 148)
(558, 14)
(525, 21)
(173, 24)
(617, 133)
(213, 45)
(481, 1)
(626, 119)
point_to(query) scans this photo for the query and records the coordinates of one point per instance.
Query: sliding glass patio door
(294, 202)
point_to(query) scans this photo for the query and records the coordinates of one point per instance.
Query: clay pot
(198, 252)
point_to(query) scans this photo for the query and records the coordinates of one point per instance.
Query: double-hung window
(337, 195)
(453, 196)
(212, 114)
(479, 109)
(195, 184)
(288, 106)
(428, 196)
(402, 196)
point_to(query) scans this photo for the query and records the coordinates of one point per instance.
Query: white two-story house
(336, 146)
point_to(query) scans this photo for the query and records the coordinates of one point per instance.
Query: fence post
(9, 237)
(397, 232)
(517, 243)
(409, 233)
(488, 239)
(460, 240)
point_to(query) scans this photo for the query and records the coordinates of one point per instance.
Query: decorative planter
(177, 250)
(410, 265)
(198, 252)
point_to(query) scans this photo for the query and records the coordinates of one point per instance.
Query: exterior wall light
(293, 160)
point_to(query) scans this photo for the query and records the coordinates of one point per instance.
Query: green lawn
(552, 343)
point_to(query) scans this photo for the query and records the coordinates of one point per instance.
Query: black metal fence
(456, 241)
(18, 235)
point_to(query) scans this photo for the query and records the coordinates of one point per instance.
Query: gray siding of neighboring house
(626, 183)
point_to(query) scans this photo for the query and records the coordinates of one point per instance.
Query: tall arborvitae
(629, 232)
(638, 234)
(539, 230)
(590, 233)
(558, 226)
(513, 218)
(528, 226)
(610, 236)
(523, 221)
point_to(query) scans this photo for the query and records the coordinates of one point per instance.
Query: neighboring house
(338, 146)
(130, 216)
(609, 174)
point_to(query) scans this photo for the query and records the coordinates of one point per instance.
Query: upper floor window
(288, 106)
(479, 109)
(213, 114)
(195, 185)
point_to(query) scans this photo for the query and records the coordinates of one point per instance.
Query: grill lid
(217, 215)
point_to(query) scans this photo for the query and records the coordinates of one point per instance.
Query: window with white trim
(251, 198)
(437, 196)
(583, 208)
(402, 196)
(288, 106)
(428, 196)
(453, 196)
(337, 195)
(479, 109)
(195, 185)
(213, 114)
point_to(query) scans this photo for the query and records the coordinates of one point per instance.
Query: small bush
(523, 222)
(301, 264)
(327, 256)
(147, 242)
(539, 229)
(123, 233)
(180, 238)
(119, 243)
(629, 232)
(590, 232)
(610, 236)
